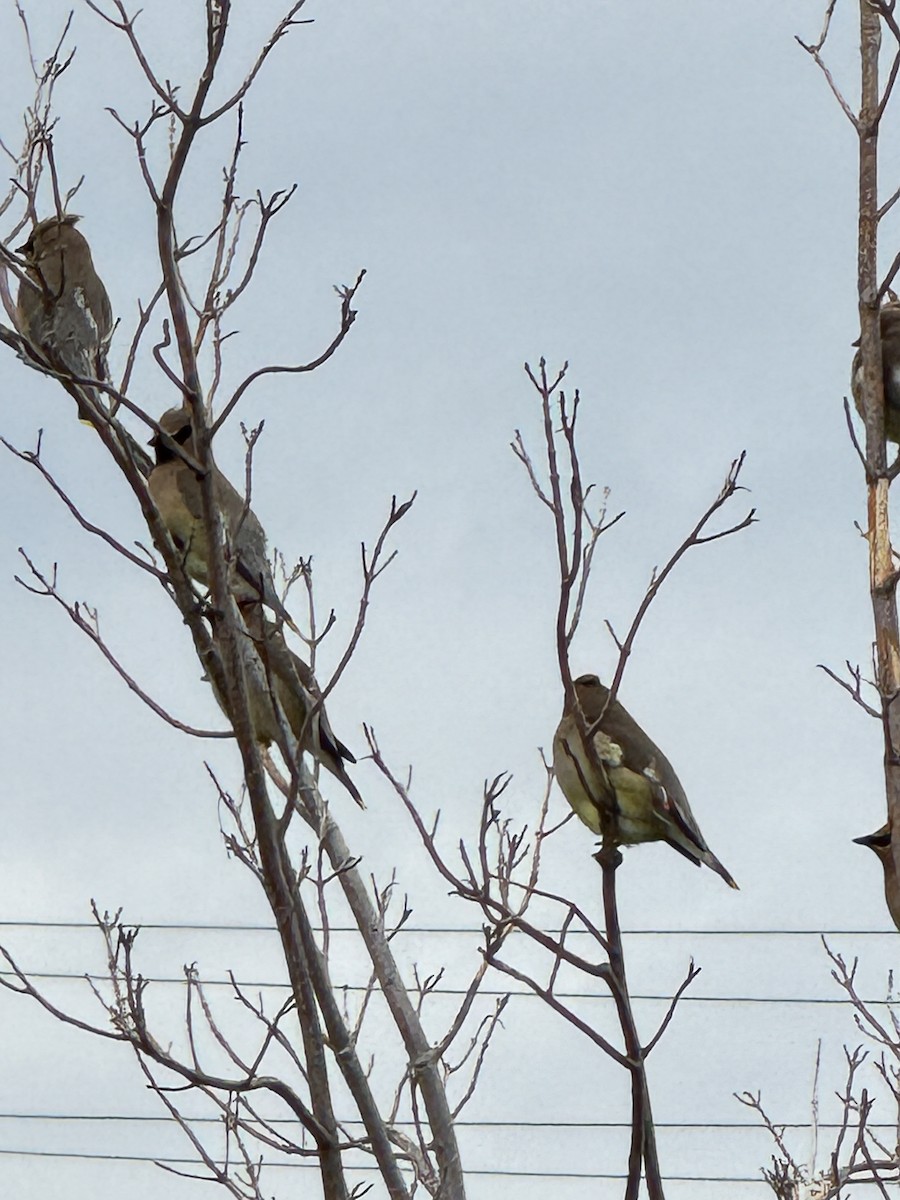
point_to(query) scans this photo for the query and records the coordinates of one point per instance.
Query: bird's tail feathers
(341, 774)
(342, 752)
(687, 838)
(332, 753)
(273, 601)
(698, 856)
(690, 852)
(711, 861)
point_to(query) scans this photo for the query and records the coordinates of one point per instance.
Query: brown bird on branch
(636, 795)
(880, 842)
(300, 698)
(64, 310)
(176, 491)
(889, 324)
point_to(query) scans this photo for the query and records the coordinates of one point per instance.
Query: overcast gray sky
(664, 196)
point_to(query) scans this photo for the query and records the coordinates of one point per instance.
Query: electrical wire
(469, 931)
(165, 1119)
(494, 1173)
(495, 993)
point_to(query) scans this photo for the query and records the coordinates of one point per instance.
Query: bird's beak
(880, 838)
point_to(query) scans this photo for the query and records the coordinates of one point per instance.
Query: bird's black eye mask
(163, 453)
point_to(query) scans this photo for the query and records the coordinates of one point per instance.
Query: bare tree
(308, 1058)
(861, 1152)
(187, 312)
(500, 871)
(869, 386)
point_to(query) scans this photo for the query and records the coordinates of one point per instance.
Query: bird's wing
(248, 540)
(73, 335)
(103, 314)
(643, 755)
(329, 739)
(313, 725)
(672, 804)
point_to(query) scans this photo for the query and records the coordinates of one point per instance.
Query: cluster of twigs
(863, 1149)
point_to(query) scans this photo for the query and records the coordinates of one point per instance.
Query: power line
(370, 1167)
(686, 998)
(467, 931)
(165, 1119)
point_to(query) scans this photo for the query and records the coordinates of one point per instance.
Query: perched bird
(880, 842)
(299, 696)
(637, 793)
(64, 309)
(175, 488)
(890, 365)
